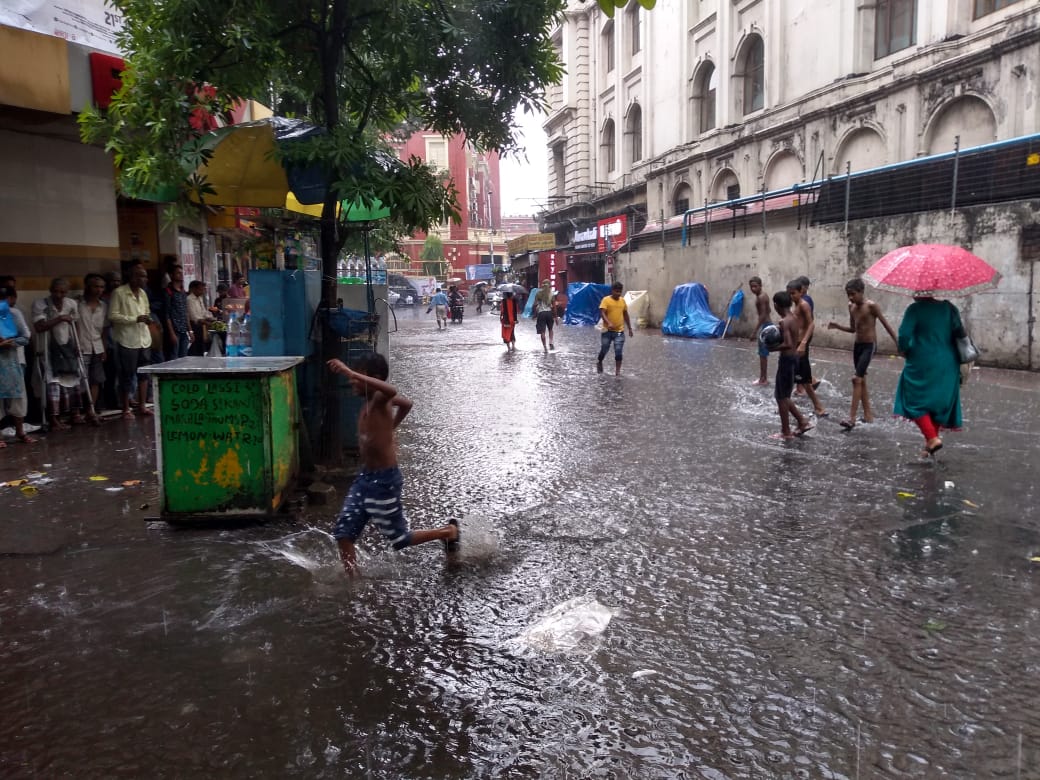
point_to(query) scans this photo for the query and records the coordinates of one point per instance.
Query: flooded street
(829, 607)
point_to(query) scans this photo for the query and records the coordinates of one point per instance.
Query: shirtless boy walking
(762, 310)
(863, 318)
(803, 313)
(786, 368)
(376, 492)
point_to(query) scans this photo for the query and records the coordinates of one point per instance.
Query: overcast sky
(524, 182)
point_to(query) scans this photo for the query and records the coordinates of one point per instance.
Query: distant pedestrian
(439, 305)
(863, 318)
(57, 353)
(787, 367)
(91, 322)
(479, 297)
(14, 334)
(129, 312)
(545, 311)
(238, 286)
(803, 312)
(762, 309)
(509, 315)
(376, 492)
(929, 389)
(613, 311)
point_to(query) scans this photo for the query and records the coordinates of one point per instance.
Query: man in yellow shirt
(130, 312)
(614, 312)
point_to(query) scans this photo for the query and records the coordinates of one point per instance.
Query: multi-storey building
(478, 239)
(705, 101)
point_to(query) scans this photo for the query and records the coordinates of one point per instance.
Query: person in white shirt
(199, 318)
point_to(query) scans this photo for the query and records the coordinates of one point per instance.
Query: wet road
(829, 607)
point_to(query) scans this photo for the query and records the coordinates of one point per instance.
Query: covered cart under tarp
(583, 302)
(688, 314)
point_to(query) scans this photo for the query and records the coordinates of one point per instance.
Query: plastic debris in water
(132, 483)
(35, 474)
(16, 483)
(114, 490)
(643, 673)
(947, 484)
(972, 504)
(1035, 559)
(567, 624)
(934, 625)
(29, 490)
(98, 478)
(902, 494)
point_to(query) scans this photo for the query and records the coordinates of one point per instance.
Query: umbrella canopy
(516, 289)
(935, 270)
(245, 169)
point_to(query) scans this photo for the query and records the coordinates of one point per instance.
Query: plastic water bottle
(245, 339)
(234, 337)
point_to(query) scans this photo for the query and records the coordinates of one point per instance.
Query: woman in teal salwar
(929, 389)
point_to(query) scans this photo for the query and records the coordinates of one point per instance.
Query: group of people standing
(928, 390)
(86, 353)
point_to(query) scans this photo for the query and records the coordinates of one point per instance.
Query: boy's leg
(763, 368)
(348, 555)
(619, 348)
(811, 394)
(783, 405)
(445, 533)
(868, 413)
(857, 393)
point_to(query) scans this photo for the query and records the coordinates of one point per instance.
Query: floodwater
(743, 607)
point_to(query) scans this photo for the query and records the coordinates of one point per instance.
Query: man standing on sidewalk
(130, 312)
(178, 329)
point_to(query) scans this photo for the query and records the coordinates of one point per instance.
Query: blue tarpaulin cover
(736, 304)
(688, 314)
(583, 300)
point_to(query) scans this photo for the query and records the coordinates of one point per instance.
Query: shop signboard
(585, 238)
(612, 233)
(94, 23)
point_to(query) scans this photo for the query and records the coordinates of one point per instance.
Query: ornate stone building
(699, 102)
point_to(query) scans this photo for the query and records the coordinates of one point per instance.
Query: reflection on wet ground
(831, 607)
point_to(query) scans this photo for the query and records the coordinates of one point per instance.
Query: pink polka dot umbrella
(935, 270)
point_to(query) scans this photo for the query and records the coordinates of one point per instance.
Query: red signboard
(106, 72)
(611, 233)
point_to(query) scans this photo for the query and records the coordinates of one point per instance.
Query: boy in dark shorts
(786, 368)
(803, 313)
(545, 308)
(376, 492)
(762, 310)
(863, 317)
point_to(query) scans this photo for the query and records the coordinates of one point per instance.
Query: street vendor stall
(226, 432)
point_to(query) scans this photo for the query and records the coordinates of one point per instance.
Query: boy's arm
(832, 325)
(603, 318)
(371, 384)
(402, 405)
(628, 322)
(876, 311)
(803, 343)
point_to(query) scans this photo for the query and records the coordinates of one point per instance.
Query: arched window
(681, 200)
(633, 29)
(707, 91)
(607, 42)
(608, 147)
(754, 75)
(635, 134)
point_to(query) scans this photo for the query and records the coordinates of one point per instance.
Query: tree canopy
(367, 71)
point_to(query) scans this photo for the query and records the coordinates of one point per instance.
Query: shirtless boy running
(376, 492)
(863, 318)
(787, 367)
(803, 313)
